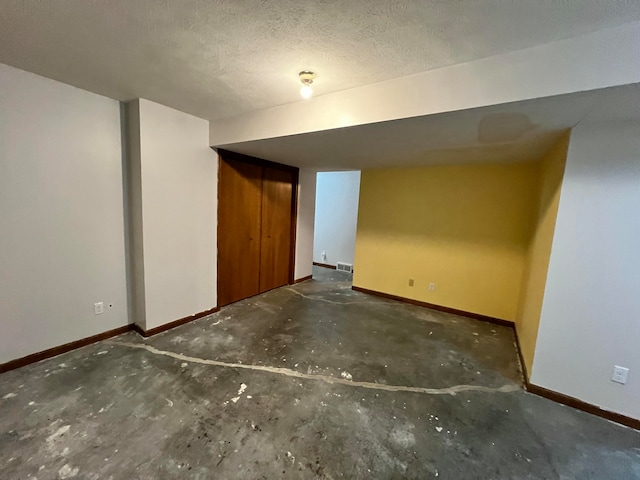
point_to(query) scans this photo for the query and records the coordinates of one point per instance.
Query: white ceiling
(514, 132)
(219, 58)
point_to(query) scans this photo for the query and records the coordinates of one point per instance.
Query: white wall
(591, 312)
(305, 223)
(336, 216)
(61, 214)
(178, 201)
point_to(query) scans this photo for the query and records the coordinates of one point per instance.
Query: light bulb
(306, 91)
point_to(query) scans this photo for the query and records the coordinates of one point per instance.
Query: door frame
(222, 153)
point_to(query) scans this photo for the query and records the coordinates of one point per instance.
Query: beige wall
(463, 228)
(534, 278)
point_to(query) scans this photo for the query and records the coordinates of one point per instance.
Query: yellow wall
(464, 228)
(537, 260)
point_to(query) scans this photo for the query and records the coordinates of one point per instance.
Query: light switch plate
(98, 308)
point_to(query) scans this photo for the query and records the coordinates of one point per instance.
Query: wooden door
(239, 223)
(276, 239)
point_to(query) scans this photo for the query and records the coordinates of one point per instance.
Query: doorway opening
(336, 217)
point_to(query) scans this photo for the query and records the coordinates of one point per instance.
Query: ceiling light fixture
(306, 78)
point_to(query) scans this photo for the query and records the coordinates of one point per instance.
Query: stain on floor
(310, 381)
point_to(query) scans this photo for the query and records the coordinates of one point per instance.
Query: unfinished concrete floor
(311, 381)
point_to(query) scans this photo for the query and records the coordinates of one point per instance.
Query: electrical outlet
(411, 282)
(432, 287)
(324, 255)
(620, 374)
(98, 308)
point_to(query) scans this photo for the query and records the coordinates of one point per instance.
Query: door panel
(277, 205)
(239, 218)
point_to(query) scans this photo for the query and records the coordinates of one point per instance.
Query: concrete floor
(311, 381)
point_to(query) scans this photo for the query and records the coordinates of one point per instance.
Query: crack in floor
(320, 299)
(453, 390)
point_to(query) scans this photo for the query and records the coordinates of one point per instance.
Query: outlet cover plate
(620, 374)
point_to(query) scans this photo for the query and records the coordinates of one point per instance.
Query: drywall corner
(534, 278)
(133, 212)
(178, 213)
(589, 320)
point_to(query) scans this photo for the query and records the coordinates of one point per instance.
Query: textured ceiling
(515, 132)
(217, 58)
